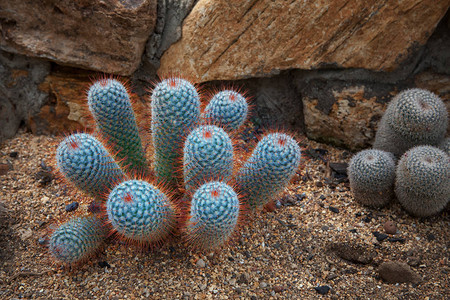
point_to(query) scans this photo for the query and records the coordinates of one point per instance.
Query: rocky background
(324, 68)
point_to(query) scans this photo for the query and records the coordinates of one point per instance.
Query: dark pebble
(333, 209)
(104, 264)
(300, 197)
(322, 197)
(396, 239)
(353, 230)
(380, 236)
(278, 288)
(358, 214)
(431, 237)
(319, 184)
(339, 168)
(13, 154)
(72, 206)
(44, 177)
(390, 227)
(43, 241)
(367, 219)
(323, 290)
(230, 258)
(321, 151)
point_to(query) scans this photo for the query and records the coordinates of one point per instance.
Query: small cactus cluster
(410, 158)
(193, 157)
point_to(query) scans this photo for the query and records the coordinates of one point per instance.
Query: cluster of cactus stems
(193, 156)
(411, 133)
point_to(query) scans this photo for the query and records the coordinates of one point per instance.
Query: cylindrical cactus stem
(214, 216)
(77, 239)
(269, 169)
(208, 155)
(83, 161)
(372, 176)
(109, 103)
(139, 212)
(423, 181)
(227, 109)
(175, 106)
(414, 117)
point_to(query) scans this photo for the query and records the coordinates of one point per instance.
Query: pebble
(13, 154)
(72, 206)
(396, 239)
(431, 237)
(397, 272)
(43, 241)
(300, 197)
(4, 168)
(323, 290)
(333, 209)
(319, 184)
(278, 288)
(200, 263)
(243, 278)
(353, 252)
(104, 264)
(390, 227)
(380, 236)
(262, 285)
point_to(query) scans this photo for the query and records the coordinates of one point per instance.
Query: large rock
(20, 96)
(234, 39)
(107, 36)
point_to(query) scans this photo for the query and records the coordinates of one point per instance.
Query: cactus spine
(227, 109)
(175, 106)
(269, 169)
(84, 161)
(208, 155)
(414, 117)
(423, 181)
(214, 215)
(77, 239)
(372, 177)
(140, 212)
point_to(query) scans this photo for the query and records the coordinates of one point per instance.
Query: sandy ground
(281, 254)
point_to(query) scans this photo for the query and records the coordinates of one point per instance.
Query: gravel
(283, 254)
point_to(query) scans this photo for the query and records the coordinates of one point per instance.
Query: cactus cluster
(412, 131)
(192, 154)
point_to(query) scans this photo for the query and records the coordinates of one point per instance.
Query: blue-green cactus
(109, 103)
(214, 215)
(208, 155)
(423, 181)
(269, 169)
(140, 212)
(83, 161)
(175, 106)
(227, 109)
(77, 239)
(414, 117)
(372, 177)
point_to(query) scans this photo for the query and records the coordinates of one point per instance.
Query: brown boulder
(236, 39)
(107, 36)
(397, 272)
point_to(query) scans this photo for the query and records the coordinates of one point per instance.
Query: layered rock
(107, 36)
(234, 39)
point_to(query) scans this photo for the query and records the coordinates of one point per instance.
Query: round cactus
(84, 161)
(445, 145)
(140, 212)
(414, 117)
(214, 215)
(109, 103)
(372, 177)
(208, 155)
(269, 169)
(227, 109)
(423, 181)
(77, 239)
(175, 106)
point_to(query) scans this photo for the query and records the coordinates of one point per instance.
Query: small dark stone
(247, 254)
(353, 230)
(323, 290)
(43, 241)
(358, 214)
(325, 227)
(367, 219)
(230, 258)
(339, 168)
(44, 177)
(431, 237)
(380, 236)
(253, 297)
(333, 209)
(300, 197)
(322, 197)
(72, 206)
(104, 264)
(319, 184)
(243, 279)
(396, 239)
(13, 154)
(94, 207)
(310, 257)
(321, 151)
(238, 290)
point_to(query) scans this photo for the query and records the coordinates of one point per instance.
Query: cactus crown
(228, 109)
(77, 239)
(416, 114)
(208, 155)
